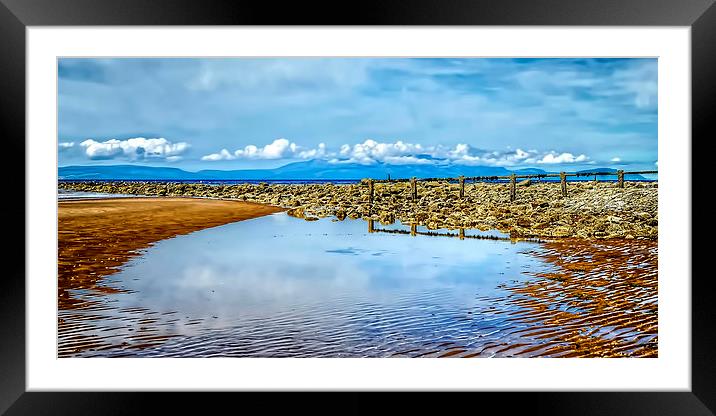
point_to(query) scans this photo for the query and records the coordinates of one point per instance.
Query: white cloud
(137, 148)
(313, 153)
(67, 148)
(371, 151)
(559, 158)
(278, 149)
(222, 155)
(407, 160)
(398, 153)
(616, 159)
(463, 152)
(467, 155)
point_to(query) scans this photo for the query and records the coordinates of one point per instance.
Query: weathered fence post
(620, 178)
(370, 191)
(414, 188)
(563, 181)
(513, 187)
(462, 186)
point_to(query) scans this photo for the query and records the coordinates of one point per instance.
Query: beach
(97, 236)
(199, 294)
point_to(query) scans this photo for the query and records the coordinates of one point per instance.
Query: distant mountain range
(310, 170)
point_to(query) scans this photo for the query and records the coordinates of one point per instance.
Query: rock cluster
(594, 210)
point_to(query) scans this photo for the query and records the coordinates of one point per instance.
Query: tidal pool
(279, 286)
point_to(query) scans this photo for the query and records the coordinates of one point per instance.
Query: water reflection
(281, 286)
(68, 195)
(461, 233)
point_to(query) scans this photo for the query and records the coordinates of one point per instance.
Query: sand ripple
(599, 300)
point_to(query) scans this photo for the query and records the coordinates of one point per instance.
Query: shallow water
(68, 195)
(278, 286)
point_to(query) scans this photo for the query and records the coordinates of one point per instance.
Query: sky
(246, 113)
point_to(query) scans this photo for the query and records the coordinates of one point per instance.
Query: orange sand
(95, 237)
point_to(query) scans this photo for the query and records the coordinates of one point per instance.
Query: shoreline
(97, 236)
(590, 211)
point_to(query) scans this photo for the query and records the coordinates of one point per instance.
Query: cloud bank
(278, 149)
(133, 149)
(397, 153)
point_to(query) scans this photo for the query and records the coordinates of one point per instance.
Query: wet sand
(600, 300)
(95, 237)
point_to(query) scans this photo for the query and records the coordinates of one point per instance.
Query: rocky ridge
(591, 210)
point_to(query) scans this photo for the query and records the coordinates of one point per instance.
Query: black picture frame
(16, 15)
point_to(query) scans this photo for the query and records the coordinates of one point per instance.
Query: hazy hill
(314, 169)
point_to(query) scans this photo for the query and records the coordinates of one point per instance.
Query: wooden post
(513, 187)
(413, 229)
(370, 191)
(620, 178)
(462, 234)
(414, 185)
(370, 226)
(563, 181)
(462, 186)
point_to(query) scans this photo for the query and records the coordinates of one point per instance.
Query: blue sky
(237, 113)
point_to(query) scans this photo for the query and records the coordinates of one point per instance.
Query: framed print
(266, 200)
